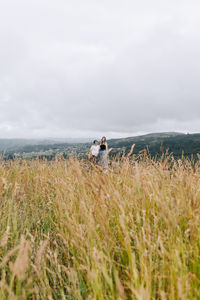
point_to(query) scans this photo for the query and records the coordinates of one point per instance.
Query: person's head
(95, 142)
(103, 140)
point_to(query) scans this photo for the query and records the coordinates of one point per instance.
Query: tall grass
(70, 231)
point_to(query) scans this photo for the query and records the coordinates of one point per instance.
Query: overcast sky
(74, 68)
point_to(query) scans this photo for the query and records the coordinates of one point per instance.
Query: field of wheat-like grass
(70, 231)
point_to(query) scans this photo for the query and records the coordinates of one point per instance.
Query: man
(94, 151)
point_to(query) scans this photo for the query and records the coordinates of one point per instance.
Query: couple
(100, 151)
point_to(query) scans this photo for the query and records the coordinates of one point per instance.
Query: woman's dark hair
(95, 141)
(103, 140)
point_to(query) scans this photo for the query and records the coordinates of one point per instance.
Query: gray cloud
(84, 68)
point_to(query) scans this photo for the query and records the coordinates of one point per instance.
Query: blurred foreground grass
(69, 231)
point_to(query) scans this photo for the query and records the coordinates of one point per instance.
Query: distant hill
(155, 143)
(18, 144)
(7, 144)
(146, 138)
(177, 143)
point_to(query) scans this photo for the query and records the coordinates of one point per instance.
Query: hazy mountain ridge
(17, 144)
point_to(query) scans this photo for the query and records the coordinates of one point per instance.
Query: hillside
(176, 143)
(155, 144)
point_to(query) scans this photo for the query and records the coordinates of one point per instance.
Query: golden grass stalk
(70, 231)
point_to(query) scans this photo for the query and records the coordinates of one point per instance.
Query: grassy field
(70, 231)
